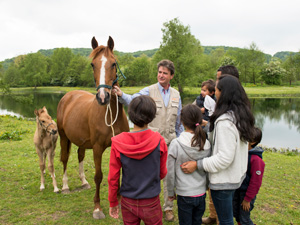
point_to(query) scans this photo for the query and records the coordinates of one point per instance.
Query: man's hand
(114, 212)
(246, 205)
(189, 167)
(117, 90)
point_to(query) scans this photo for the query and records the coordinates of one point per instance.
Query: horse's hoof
(98, 215)
(86, 186)
(65, 191)
(56, 191)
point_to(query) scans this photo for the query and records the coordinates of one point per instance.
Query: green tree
(75, 68)
(59, 64)
(256, 61)
(181, 47)
(138, 72)
(35, 69)
(273, 72)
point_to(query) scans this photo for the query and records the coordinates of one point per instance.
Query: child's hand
(114, 212)
(246, 205)
(172, 198)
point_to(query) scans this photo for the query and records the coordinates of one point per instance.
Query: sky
(136, 25)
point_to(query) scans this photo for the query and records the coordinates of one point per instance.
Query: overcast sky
(27, 26)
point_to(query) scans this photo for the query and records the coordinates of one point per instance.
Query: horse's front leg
(81, 155)
(97, 152)
(51, 154)
(42, 167)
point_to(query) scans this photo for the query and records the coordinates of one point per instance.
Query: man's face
(218, 74)
(164, 76)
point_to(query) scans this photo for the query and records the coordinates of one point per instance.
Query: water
(279, 118)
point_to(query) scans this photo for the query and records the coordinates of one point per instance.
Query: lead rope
(111, 120)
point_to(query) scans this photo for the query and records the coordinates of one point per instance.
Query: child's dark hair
(257, 136)
(191, 117)
(210, 85)
(142, 110)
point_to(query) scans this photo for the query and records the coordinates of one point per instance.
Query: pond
(279, 118)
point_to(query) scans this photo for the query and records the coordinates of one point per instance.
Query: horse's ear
(94, 43)
(110, 43)
(36, 112)
(44, 109)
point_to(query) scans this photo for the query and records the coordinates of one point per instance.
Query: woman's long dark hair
(234, 98)
(191, 117)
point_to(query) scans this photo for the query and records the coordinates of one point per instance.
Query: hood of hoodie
(256, 151)
(136, 145)
(193, 152)
(226, 116)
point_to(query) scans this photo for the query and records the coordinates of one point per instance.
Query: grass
(252, 91)
(21, 201)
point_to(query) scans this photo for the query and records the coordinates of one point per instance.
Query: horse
(45, 138)
(82, 118)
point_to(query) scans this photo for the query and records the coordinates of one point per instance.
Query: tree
(138, 72)
(59, 63)
(35, 69)
(75, 68)
(273, 72)
(256, 61)
(181, 47)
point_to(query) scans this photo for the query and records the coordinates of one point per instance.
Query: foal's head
(45, 121)
(105, 69)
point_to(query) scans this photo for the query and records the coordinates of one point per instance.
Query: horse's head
(45, 120)
(105, 69)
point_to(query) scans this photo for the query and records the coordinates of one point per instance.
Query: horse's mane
(100, 49)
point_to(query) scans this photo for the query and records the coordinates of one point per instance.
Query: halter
(45, 127)
(115, 81)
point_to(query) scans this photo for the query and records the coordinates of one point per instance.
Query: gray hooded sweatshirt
(180, 151)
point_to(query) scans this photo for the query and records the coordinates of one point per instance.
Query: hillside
(207, 50)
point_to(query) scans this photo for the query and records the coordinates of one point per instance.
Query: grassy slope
(22, 202)
(253, 91)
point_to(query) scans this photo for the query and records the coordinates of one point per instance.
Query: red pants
(135, 210)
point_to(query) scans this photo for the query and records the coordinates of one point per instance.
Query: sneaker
(169, 216)
(209, 220)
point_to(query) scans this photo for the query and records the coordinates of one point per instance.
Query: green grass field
(21, 201)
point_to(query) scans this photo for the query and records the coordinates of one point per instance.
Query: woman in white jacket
(231, 127)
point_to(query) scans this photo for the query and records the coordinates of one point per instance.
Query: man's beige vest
(165, 119)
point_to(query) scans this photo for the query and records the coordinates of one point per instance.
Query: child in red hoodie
(244, 197)
(142, 155)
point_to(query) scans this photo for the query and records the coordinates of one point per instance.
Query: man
(167, 120)
(212, 218)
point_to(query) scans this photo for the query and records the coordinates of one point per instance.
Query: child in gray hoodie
(190, 188)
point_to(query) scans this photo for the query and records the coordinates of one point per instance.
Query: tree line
(193, 64)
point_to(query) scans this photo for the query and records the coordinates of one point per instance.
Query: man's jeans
(190, 209)
(223, 203)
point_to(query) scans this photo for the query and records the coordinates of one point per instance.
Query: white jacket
(228, 164)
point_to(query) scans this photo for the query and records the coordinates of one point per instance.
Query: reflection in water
(279, 118)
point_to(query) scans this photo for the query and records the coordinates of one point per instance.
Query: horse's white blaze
(102, 77)
(81, 174)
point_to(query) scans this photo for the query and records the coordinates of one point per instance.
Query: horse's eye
(92, 64)
(113, 65)
(43, 121)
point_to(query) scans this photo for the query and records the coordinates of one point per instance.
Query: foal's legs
(65, 145)
(81, 155)
(51, 154)
(98, 151)
(42, 168)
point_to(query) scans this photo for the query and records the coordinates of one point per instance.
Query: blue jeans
(190, 209)
(240, 215)
(222, 200)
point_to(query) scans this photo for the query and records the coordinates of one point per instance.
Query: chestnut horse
(82, 119)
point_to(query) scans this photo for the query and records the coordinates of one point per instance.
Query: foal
(45, 138)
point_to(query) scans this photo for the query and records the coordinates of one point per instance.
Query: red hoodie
(142, 156)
